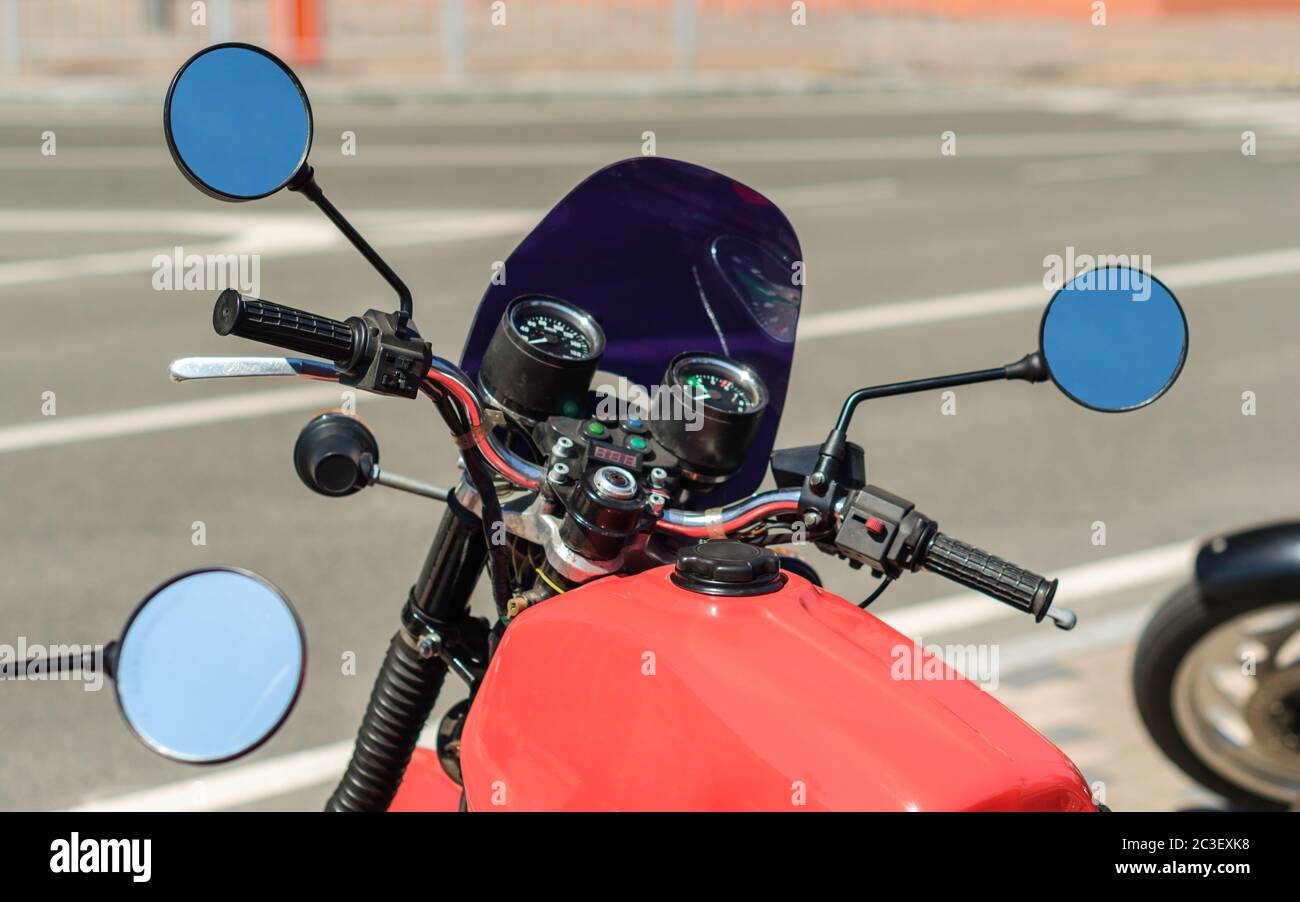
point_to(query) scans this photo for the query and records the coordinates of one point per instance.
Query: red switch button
(876, 528)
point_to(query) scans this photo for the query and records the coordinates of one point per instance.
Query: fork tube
(452, 567)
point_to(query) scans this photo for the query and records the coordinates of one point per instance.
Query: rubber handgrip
(284, 327)
(981, 571)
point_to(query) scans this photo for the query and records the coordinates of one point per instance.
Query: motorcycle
(649, 649)
(1216, 674)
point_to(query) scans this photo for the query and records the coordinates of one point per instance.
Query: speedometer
(718, 404)
(556, 329)
(541, 358)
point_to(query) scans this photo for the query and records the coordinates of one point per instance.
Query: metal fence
(454, 40)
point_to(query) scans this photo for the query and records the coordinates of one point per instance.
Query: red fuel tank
(632, 693)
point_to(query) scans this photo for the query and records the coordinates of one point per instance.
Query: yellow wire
(542, 577)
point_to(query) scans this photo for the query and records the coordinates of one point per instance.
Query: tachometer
(719, 389)
(712, 414)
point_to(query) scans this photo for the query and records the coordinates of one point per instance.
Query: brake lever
(186, 368)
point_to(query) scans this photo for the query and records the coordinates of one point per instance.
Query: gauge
(717, 388)
(541, 359)
(556, 329)
(716, 406)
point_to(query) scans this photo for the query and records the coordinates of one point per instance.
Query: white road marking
(215, 222)
(1265, 113)
(282, 235)
(835, 323)
(964, 305)
(1093, 634)
(241, 784)
(161, 417)
(237, 785)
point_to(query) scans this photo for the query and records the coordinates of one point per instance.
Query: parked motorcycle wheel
(1236, 733)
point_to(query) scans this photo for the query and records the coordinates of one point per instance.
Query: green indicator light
(570, 408)
(636, 443)
(595, 429)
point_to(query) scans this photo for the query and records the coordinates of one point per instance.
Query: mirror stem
(1030, 368)
(305, 183)
(87, 661)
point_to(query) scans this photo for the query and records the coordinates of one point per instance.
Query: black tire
(1177, 625)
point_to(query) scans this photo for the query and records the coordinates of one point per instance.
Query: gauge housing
(541, 359)
(712, 440)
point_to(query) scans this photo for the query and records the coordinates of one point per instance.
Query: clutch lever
(1064, 618)
(187, 368)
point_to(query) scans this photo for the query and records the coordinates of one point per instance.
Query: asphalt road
(97, 511)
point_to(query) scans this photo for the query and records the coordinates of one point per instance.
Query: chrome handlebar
(444, 376)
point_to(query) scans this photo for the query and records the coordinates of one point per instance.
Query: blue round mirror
(238, 122)
(210, 665)
(1114, 339)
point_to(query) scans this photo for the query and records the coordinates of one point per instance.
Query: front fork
(436, 615)
(437, 634)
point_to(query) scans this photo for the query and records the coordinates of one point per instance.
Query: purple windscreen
(669, 257)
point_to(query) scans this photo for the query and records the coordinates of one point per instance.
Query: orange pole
(311, 32)
(298, 30)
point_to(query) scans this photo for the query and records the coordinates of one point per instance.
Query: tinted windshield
(669, 257)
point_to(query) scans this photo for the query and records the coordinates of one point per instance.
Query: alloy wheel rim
(1236, 700)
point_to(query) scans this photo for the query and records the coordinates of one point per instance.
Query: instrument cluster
(693, 432)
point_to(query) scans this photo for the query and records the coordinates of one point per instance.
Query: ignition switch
(604, 511)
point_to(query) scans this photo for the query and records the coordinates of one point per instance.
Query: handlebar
(343, 342)
(286, 327)
(977, 569)
(298, 330)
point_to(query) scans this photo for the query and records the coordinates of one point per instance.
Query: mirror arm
(110, 659)
(87, 661)
(407, 484)
(305, 184)
(1030, 368)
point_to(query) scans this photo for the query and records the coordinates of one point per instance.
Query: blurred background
(932, 155)
(528, 44)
